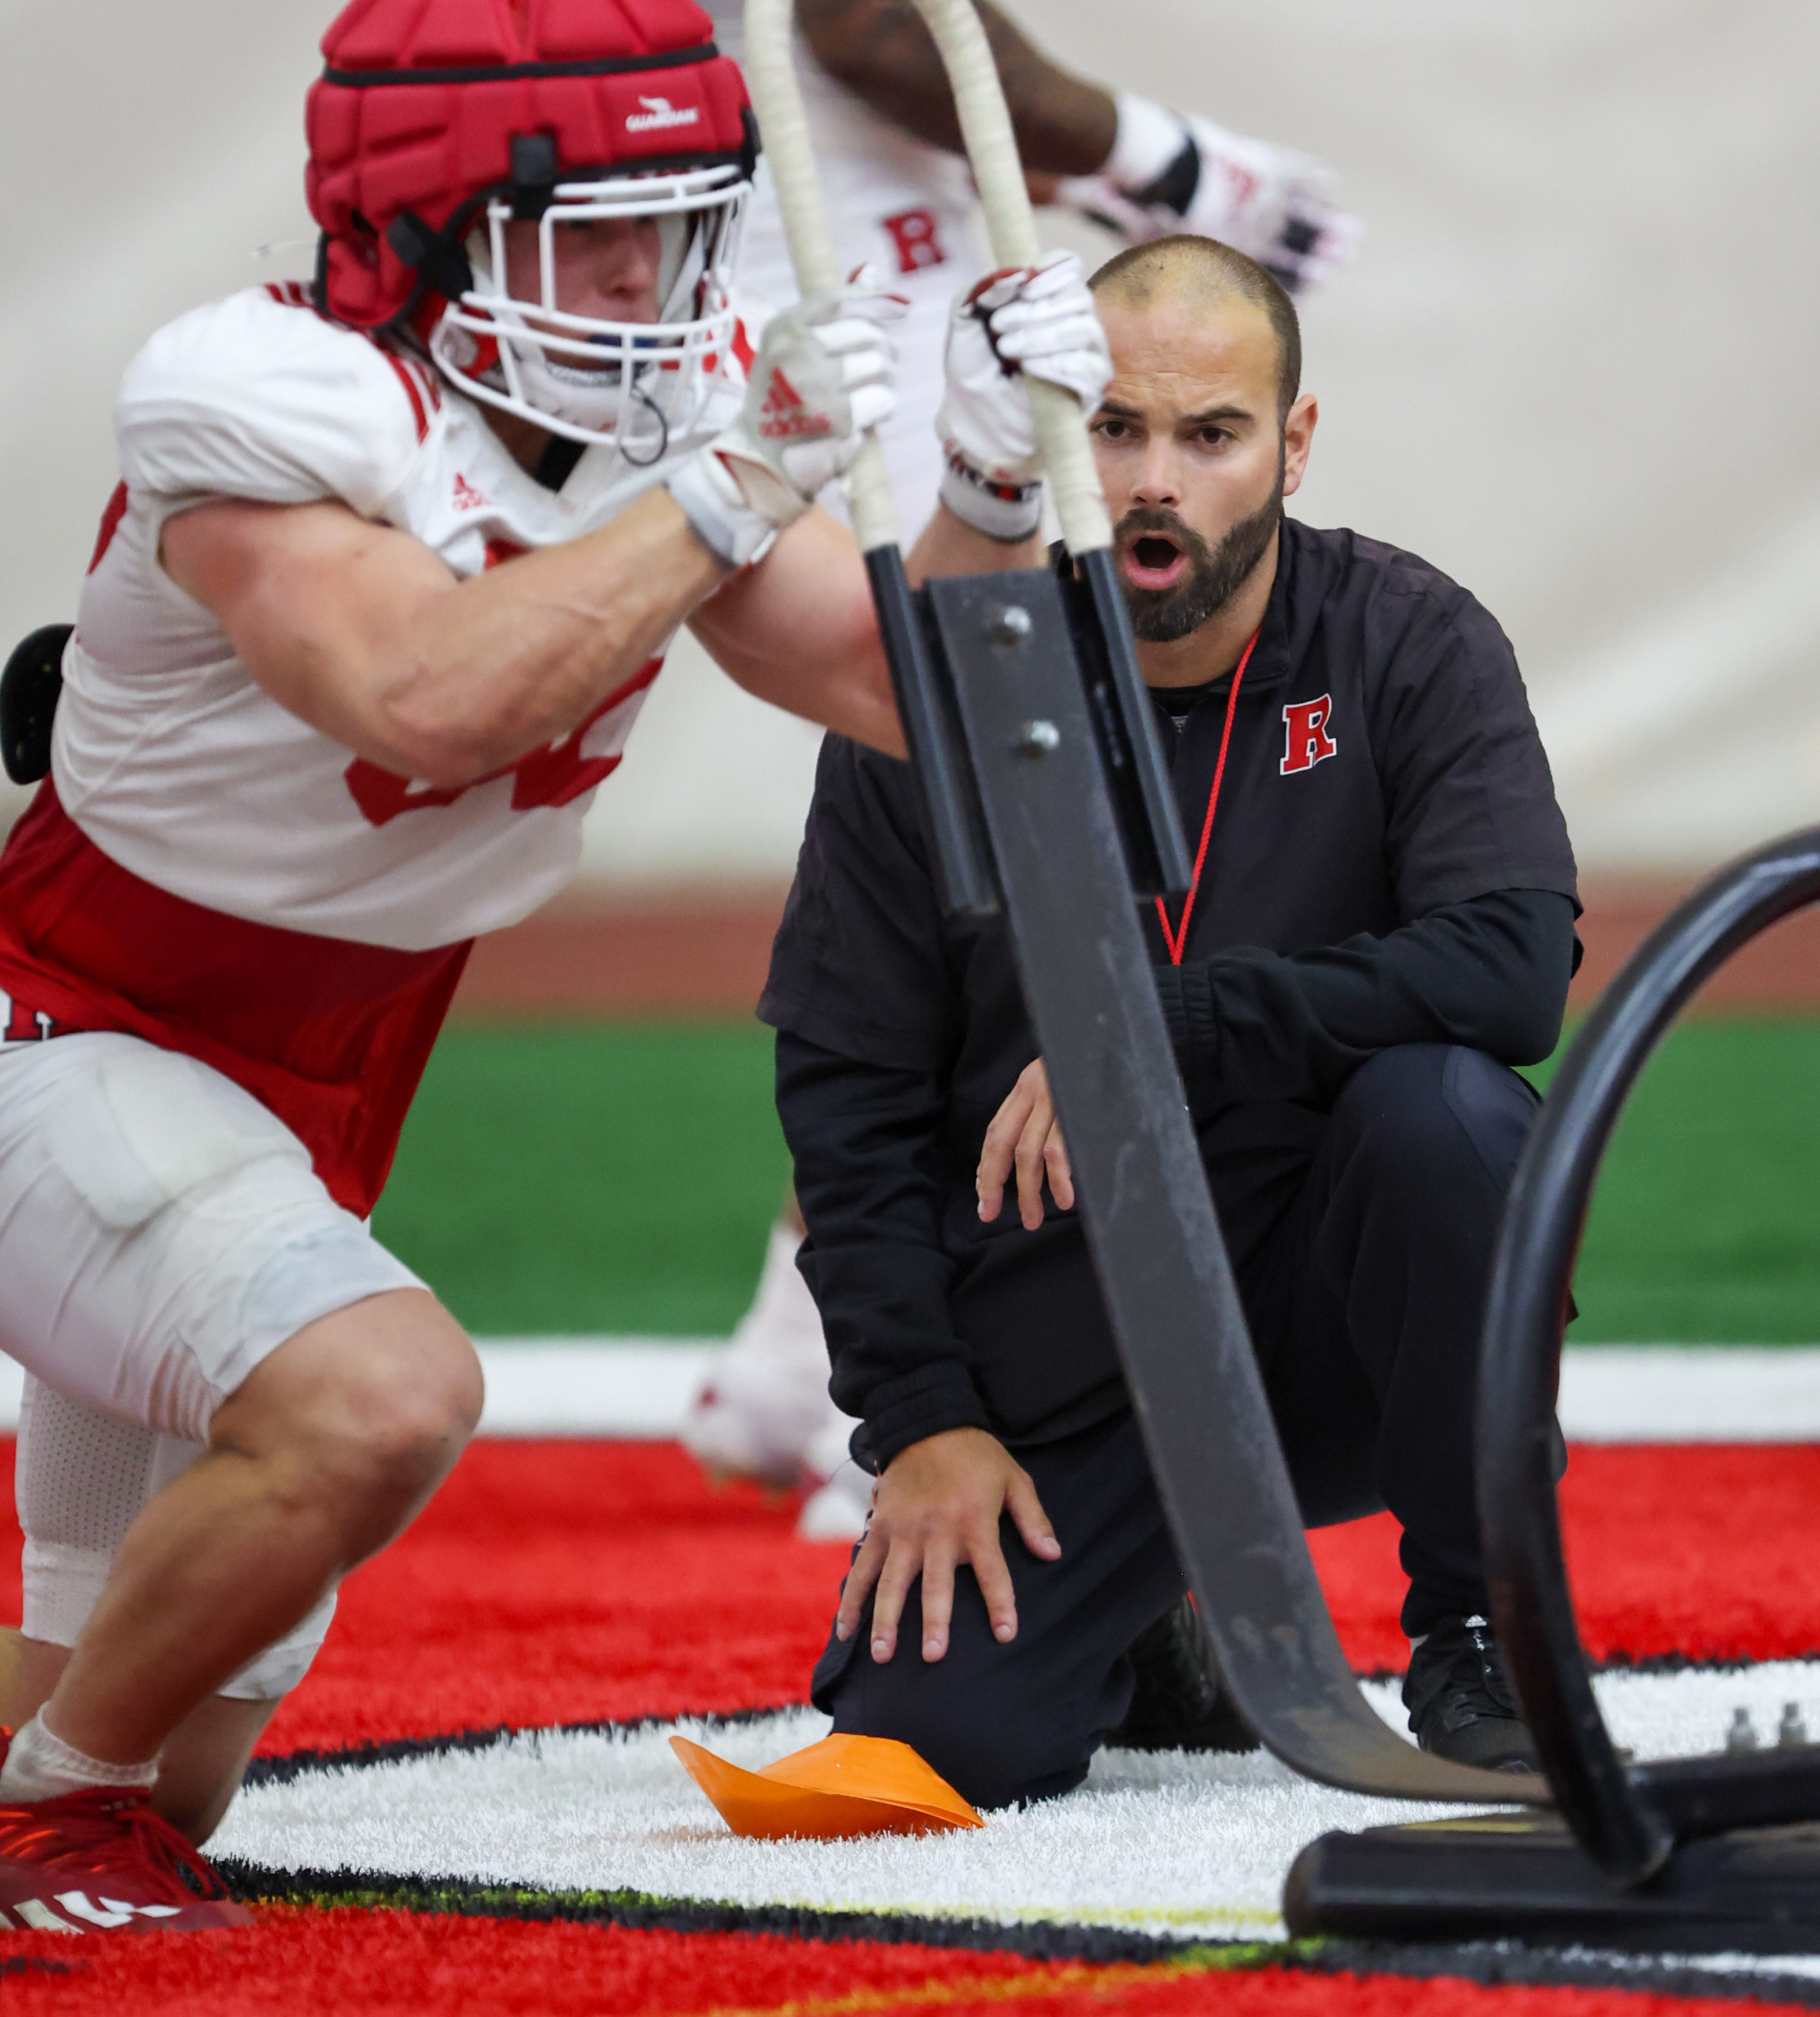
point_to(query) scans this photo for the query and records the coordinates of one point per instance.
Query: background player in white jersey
(900, 198)
(392, 563)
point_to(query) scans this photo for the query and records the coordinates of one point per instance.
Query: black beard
(1214, 574)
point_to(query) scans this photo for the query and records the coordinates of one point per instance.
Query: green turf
(621, 1178)
(1705, 1227)
(595, 1177)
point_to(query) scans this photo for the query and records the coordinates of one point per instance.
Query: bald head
(1201, 274)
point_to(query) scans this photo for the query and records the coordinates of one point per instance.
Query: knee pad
(272, 1674)
(82, 1478)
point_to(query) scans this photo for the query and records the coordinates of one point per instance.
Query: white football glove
(1171, 171)
(1039, 320)
(824, 374)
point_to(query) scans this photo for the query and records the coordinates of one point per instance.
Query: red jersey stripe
(407, 378)
(110, 520)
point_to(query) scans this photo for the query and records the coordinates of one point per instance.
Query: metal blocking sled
(1700, 1853)
(1045, 791)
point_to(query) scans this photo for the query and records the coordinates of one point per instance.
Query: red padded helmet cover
(421, 99)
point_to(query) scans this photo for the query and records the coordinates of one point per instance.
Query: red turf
(404, 1966)
(1703, 1550)
(559, 1583)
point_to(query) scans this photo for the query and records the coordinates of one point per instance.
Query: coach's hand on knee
(1024, 1135)
(938, 1507)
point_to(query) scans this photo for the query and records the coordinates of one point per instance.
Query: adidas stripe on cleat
(101, 1861)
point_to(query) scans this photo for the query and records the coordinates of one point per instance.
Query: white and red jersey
(206, 871)
(896, 203)
(182, 769)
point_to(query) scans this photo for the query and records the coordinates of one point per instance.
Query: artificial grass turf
(588, 1177)
(620, 1178)
(1705, 1227)
(419, 1964)
(583, 1582)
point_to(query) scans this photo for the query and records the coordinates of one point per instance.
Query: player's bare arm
(1132, 165)
(801, 631)
(883, 52)
(369, 636)
(364, 633)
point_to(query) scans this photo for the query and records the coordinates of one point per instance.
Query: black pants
(1363, 1241)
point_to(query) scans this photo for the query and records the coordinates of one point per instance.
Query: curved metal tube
(1628, 1817)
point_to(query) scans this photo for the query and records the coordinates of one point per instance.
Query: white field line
(1622, 1393)
(639, 1388)
(1164, 1842)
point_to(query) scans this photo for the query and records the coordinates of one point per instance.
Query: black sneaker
(1179, 1704)
(1459, 1699)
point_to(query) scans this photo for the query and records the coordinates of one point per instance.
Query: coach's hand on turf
(939, 1506)
(1025, 1135)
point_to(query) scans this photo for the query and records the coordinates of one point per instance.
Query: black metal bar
(926, 708)
(1628, 1817)
(1150, 1222)
(1525, 1877)
(1703, 1796)
(1137, 775)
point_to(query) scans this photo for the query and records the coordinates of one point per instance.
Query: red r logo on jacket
(1306, 740)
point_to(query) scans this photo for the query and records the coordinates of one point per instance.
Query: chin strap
(440, 257)
(434, 256)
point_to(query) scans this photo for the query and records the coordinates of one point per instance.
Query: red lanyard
(1178, 939)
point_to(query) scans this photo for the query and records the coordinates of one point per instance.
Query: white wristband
(1148, 139)
(718, 512)
(1008, 512)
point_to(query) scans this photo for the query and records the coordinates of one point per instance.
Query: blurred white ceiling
(1573, 365)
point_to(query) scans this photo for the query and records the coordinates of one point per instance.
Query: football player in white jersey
(393, 559)
(900, 198)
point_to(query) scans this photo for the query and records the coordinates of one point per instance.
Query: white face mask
(641, 387)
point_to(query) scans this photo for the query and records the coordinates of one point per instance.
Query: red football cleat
(102, 1861)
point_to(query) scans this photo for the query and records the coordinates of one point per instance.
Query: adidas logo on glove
(786, 415)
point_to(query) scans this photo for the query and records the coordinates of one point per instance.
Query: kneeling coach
(1381, 924)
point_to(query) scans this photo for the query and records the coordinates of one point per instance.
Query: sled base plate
(1522, 1876)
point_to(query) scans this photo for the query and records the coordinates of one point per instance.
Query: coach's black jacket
(1387, 865)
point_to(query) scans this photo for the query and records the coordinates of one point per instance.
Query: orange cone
(841, 1786)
